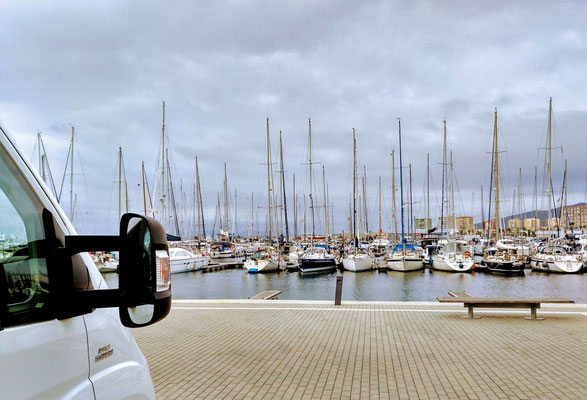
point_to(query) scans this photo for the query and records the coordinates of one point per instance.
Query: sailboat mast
(310, 166)
(200, 211)
(283, 186)
(295, 210)
(234, 219)
(411, 221)
(270, 222)
(354, 219)
(453, 221)
(535, 199)
(144, 194)
(325, 205)
(226, 221)
(482, 208)
(549, 165)
(252, 231)
(443, 177)
(380, 231)
(163, 189)
(401, 182)
(428, 190)
(393, 211)
(496, 177)
(71, 205)
(365, 200)
(119, 180)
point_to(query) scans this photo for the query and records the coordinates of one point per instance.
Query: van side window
(24, 282)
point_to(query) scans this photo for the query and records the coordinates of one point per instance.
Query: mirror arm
(80, 243)
(105, 298)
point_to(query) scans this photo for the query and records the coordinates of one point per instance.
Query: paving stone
(400, 350)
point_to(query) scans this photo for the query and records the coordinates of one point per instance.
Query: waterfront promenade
(315, 350)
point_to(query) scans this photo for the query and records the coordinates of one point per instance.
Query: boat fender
(461, 265)
(467, 254)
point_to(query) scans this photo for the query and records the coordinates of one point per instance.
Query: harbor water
(373, 285)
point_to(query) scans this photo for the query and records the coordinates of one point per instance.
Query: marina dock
(245, 349)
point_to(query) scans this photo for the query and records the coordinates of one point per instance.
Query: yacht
(316, 259)
(182, 260)
(453, 257)
(265, 260)
(556, 259)
(406, 257)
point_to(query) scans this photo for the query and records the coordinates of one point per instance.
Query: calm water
(372, 285)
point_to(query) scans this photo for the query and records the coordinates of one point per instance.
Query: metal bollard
(338, 294)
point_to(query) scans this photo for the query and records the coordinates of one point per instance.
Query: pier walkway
(364, 350)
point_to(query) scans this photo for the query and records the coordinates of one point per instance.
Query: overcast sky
(223, 67)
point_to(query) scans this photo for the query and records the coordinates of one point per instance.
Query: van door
(40, 357)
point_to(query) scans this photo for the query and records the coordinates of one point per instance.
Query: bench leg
(470, 314)
(533, 316)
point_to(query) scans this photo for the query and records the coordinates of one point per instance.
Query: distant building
(514, 224)
(465, 224)
(447, 222)
(552, 223)
(423, 223)
(488, 225)
(531, 224)
(575, 215)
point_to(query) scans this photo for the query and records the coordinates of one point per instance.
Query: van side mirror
(144, 293)
(144, 271)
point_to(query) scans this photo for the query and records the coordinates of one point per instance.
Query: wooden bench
(499, 302)
(267, 295)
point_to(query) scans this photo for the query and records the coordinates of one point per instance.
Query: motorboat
(182, 260)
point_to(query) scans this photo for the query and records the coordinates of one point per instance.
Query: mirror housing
(144, 293)
(145, 280)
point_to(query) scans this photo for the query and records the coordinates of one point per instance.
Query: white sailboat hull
(357, 263)
(565, 266)
(452, 264)
(270, 265)
(405, 264)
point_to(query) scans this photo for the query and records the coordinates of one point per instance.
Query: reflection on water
(423, 285)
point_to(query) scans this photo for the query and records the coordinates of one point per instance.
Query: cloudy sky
(223, 67)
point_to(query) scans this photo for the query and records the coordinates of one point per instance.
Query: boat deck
(313, 350)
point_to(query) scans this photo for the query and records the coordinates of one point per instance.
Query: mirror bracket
(80, 243)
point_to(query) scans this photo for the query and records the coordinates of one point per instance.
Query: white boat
(357, 262)
(106, 261)
(265, 261)
(453, 257)
(405, 257)
(182, 260)
(556, 259)
(219, 250)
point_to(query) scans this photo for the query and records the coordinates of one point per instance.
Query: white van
(62, 331)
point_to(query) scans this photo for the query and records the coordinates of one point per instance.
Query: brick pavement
(280, 349)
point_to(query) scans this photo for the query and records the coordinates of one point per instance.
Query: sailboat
(554, 257)
(452, 257)
(356, 261)
(316, 258)
(499, 260)
(404, 256)
(267, 259)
